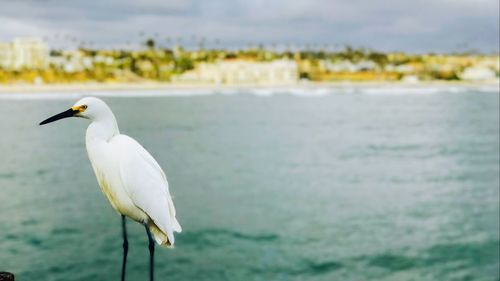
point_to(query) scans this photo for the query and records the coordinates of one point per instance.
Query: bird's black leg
(151, 254)
(125, 247)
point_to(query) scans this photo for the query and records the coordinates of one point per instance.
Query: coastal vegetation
(154, 62)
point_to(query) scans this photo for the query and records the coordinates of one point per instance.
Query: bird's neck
(102, 129)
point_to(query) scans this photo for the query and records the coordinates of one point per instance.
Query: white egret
(128, 175)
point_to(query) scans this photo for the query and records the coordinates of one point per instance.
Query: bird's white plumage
(146, 184)
(128, 175)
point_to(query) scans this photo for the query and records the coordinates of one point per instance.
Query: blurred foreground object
(6, 276)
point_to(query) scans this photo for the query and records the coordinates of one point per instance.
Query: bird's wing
(146, 184)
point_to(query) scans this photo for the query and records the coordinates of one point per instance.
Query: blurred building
(243, 72)
(478, 73)
(24, 53)
(72, 61)
(347, 66)
(6, 56)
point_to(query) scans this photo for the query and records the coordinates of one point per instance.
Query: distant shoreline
(147, 86)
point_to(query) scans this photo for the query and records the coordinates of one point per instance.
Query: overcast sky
(407, 25)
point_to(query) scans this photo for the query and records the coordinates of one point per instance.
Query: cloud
(422, 25)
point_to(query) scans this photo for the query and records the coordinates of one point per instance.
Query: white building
(72, 61)
(477, 74)
(348, 66)
(6, 55)
(338, 66)
(31, 53)
(243, 72)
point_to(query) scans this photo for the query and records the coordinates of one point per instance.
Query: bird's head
(88, 108)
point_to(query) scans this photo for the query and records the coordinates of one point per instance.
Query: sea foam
(298, 91)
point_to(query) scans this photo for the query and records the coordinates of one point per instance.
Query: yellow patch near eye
(79, 108)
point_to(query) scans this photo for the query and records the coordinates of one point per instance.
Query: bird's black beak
(68, 113)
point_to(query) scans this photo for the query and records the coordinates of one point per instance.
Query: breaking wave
(298, 91)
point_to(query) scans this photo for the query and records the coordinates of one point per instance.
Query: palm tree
(150, 43)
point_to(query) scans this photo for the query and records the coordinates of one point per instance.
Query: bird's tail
(162, 238)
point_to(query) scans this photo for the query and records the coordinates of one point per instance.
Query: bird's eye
(84, 106)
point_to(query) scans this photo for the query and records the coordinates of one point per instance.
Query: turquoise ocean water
(277, 184)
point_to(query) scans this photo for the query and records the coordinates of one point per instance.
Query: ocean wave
(313, 267)
(315, 92)
(299, 91)
(411, 90)
(474, 254)
(7, 175)
(211, 237)
(64, 231)
(263, 92)
(305, 267)
(155, 93)
(110, 94)
(394, 262)
(488, 89)
(40, 96)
